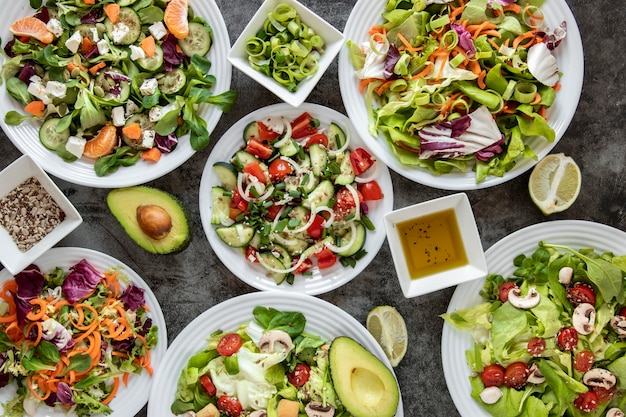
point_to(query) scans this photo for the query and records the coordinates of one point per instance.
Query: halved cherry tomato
(586, 402)
(304, 266)
(272, 211)
(605, 395)
(316, 228)
(370, 191)
(300, 375)
(208, 385)
(492, 375)
(318, 138)
(265, 133)
(259, 149)
(303, 126)
(344, 203)
(536, 346)
(254, 168)
(229, 344)
(503, 291)
(251, 252)
(361, 160)
(279, 169)
(567, 338)
(516, 375)
(584, 360)
(325, 258)
(581, 292)
(229, 406)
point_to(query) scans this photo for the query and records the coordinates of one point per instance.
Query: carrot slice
(148, 45)
(112, 11)
(151, 155)
(36, 108)
(133, 131)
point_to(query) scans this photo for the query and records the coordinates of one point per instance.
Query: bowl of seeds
(34, 214)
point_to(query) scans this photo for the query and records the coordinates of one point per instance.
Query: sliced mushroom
(535, 376)
(531, 299)
(565, 275)
(598, 377)
(317, 409)
(584, 318)
(615, 412)
(491, 395)
(272, 338)
(618, 323)
(258, 413)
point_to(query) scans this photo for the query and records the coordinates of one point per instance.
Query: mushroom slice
(598, 377)
(618, 323)
(615, 412)
(535, 376)
(273, 338)
(531, 299)
(317, 409)
(258, 413)
(565, 275)
(491, 395)
(584, 318)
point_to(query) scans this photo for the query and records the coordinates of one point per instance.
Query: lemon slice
(387, 326)
(554, 183)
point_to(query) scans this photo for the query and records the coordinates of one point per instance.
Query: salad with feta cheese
(112, 82)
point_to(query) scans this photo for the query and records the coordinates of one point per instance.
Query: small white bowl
(13, 176)
(426, 261)
(333, 41)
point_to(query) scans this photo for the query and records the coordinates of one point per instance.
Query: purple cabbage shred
(465, 39)
(392, 58)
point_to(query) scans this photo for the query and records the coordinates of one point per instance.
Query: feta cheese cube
(76, 146)
(147, 138)
(39, 91)
(155, 114)
(148, 87)
(35, 79)
(94, 34)
(74, 42)
(136, 52)
(117, 116)
(119, 31)
(56, 89)
(103, 46)
(55, 26)
(158, 30)
(131, 108)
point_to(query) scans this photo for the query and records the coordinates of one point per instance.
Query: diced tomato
(318, 138)
(254, 168)
(536, 346)
(361, 160)
(300, 375)
(251, 252)
(272, 211)
(503, 291)
(229, 344)
(304, 266)
(370, 191)
(492, 375)
(265, 133)
(325, 258)
(237, 202)
(259, 149)
(567, 338)
(279, 169)
(230, 406)
(580, 293)
(586, 402)
(516, 375)
(208, 385)
(303, 126)
(316, 228)
(584, 360)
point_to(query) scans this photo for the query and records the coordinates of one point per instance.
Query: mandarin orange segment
(175, 18)
(33, 27)
(103, 143)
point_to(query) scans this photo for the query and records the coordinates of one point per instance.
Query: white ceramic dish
(322, 318)
(476, 266)
(254, 274)
(12, 176)
(26, 137)
(569, 57)
(454, 342)
(333, 40)
(129, 399)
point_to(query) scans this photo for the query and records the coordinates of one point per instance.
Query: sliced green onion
(524, 92)
(439, 23)
(508, 91)
(457, 60)
(255, 47)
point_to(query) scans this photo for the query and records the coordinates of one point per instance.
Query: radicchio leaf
(93, 16)
(172, 56)
(465, 39)
(64, 394)
(133, 298)
(393, 55)
(81, 281)
(553, 39)
(43, 14)
(29, 285)
(166, 144)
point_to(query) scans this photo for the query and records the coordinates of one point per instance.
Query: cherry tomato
(316, 228)
(265, 133)
(254, 169)
(516, 375)
(580, 293)
(319, 138)
(536, 346)
(344, 204)
(229, 344)
(279, 169)
(303, 126)
(259, 149)
(208, 385)
(325, 258)
(304, 266)
(583, 361)
(371, 191)
(503, 291)
(229, 406)
(567, 338)
(361, 160)
(604, 395)
(586, 402)
(272, 211)
(251, 252)
(492, 375)
(300, 375)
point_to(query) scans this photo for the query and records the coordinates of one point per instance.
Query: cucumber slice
(86, 30)
(197, 42)
(357, 245)
(336, 136)
(112, 93)
(346, 175)
(172, 82)
(319, 158)
(268, 258)
(50, 137)
(227, 174)
(290, 148)
(126, 30)
(221, 205)
(236, 236)
(124, 3)
(251, 131)
(152, 63)
(321, 195)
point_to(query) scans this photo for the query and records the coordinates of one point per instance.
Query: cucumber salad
(551, 339)
(295, 198)
(112, 81)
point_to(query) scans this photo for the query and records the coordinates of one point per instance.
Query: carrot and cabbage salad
(70, 339)
(459, 85)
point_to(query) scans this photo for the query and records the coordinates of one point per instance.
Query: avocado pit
(154, 221)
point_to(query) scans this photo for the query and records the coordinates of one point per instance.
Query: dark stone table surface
(190, 282)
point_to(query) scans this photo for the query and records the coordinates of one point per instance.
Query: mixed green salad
(551, 339)
(458, 85)
(113, 81)
(295, 196)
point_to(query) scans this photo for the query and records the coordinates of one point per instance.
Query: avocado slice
(156, 220)
(365, 386)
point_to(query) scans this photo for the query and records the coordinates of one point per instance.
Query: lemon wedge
(387, 326)
(554, 183)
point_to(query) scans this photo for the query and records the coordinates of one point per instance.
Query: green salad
(456, 86)
(551, 339)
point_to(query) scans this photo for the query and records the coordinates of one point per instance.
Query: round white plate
(26, 136)
(322, 318)
(253, 274)
(454, 342)
(569, 57)
(129, 399)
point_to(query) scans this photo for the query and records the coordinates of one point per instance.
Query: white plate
(322, 318)
(253, 274)
(26, 137)
(454, 342)
(569, 57)
(130, 399)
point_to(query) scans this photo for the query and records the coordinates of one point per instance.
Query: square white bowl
(11, 177)
(476, 266)
(333, 41)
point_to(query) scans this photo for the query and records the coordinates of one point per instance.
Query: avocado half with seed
(365, 386)
(156, 220)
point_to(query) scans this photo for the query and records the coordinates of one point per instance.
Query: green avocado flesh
(124, 202)
(365, 386)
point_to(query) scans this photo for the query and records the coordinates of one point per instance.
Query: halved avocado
(365, 386)
(156, 220)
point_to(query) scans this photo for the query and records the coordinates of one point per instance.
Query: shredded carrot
(456, 11)
(529, 37)
(151, 155)
(493, 33)
(406, 43)
(481, 79)
(474, 66)
(125, 378)
(477, 30)
(116, 385)
(513, 8)
(41, 311)
(93, 70)
(36, 108)
(423, 73)
(381, 89)
(112, 11)
(542, 111)
(39, 328)
(364, 82)
(536, 100)
(89, 1)
(133, 131)
(378, 29)
(557, 87)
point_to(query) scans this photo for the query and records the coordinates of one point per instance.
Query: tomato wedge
(254, 169)
(303, 126)
(325, 258)
(259, 149)
(318, 138)
(370, 191)
(316, 228)
(265, 133)
(361, 160)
